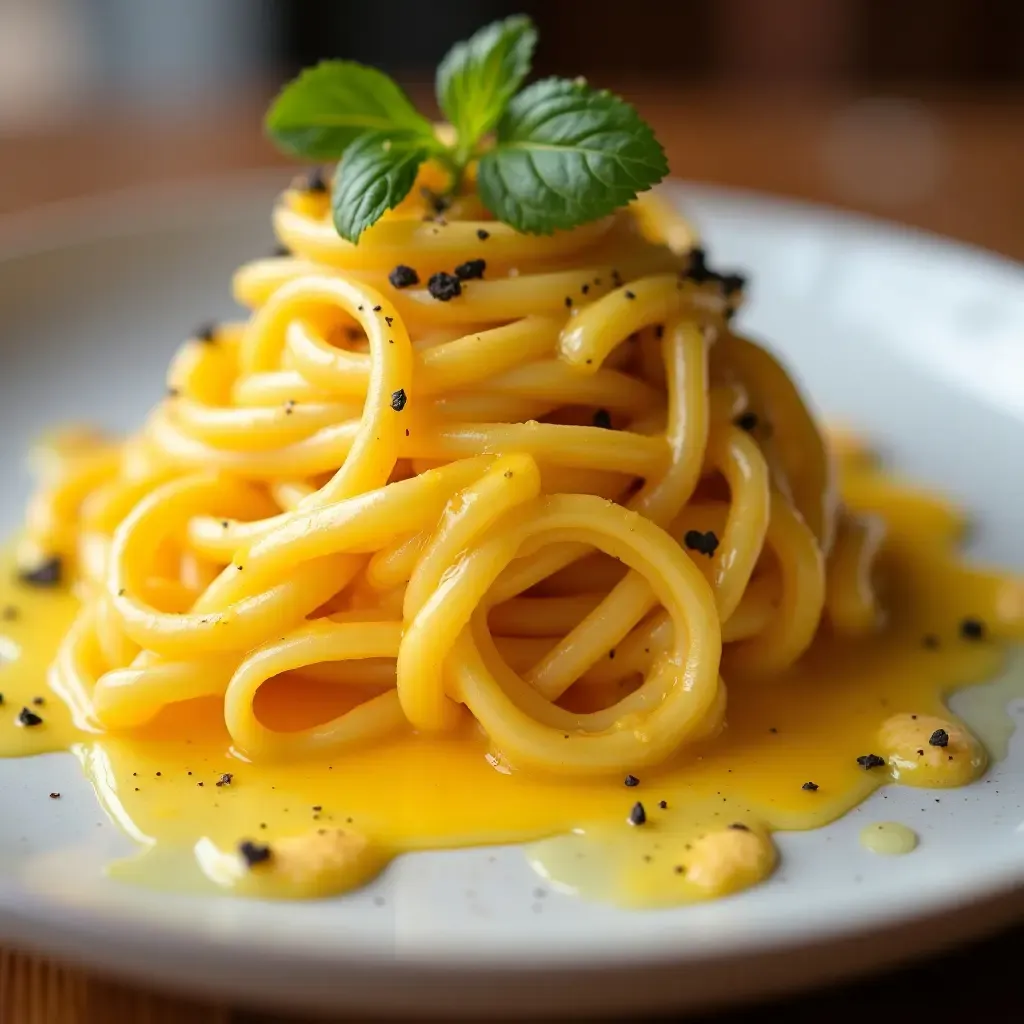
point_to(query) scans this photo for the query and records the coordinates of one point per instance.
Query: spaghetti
(460, 505)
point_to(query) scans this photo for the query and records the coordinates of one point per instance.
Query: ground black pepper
(939, 738)
(972, 629)
(663, 804)
(206, 332)
(55, 796)
(389, 320)
(738, 826)
(631, 780)
(746, 421)
(28, 718)
(398, 400)
(225, 779)
(733, 283)
(630, 295)
(39, 701)
(482, 235)
(637, 815)
(868, 761)
(470, 270)
(703, 543)
(603, 419)
(811, 787)
(403, 277)
(254, 853)
(315, 181)
(444, 287)
(46, 574)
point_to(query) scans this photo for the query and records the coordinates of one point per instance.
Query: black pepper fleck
(663, 804)
(972, 629)
(811, 787)
(206, 333)
(376, 309)
(45, 574)
(637, 815)
(568, 301)
(435, 200)
(482, 235)
(631, 780)
(398, 400)
(603, 419)
(444, 287)
(733, 283)
(403, 277)
(254, 853)
(939, 738)
(738, 826)
(630, 295)
(470, 270)
(747, 421)
(868, 761)
(225, 779)
(55, 796)
(28, 718)
(389, 320)
(703, 543)
(39, 701)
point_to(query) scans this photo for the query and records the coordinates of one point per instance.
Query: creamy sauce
(788, 758)
(889, 838)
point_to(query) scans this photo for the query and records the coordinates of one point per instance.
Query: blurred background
(913, 109)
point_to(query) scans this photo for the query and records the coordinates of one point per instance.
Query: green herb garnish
(550, 157)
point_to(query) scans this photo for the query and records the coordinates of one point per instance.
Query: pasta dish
(467, 534)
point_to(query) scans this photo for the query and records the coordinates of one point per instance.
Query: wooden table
(951, 165)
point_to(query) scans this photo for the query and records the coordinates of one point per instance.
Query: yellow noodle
(475, 507)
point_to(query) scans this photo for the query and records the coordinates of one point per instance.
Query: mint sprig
(567, 154)
(325, 109)
(556, 155)
(378, 171)
(477, 78)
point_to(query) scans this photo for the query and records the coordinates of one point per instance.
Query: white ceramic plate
(918, 341)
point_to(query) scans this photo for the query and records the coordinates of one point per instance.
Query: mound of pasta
(534, 485)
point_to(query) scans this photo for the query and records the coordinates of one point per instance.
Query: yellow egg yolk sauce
(797, 752)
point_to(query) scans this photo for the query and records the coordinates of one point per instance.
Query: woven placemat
(36, 991)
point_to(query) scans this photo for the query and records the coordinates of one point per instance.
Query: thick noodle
(572, 479)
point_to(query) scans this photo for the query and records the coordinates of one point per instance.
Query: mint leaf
(567, 154)
(321, 112)
(376, 173)
(477, 78)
